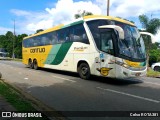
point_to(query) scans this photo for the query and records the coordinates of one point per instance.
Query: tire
(35, 64)
(30, 64)
(157, 68)
(84, 71)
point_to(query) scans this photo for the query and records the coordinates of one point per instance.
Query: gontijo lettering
(37, 50)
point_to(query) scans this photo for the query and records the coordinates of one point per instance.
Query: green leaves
(84, 13)
(150, 25)
(6, 41)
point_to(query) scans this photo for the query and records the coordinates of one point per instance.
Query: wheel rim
(84, 70)
(35, 65)
(157, 69)
(30, 64)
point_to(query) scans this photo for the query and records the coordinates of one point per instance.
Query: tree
(18, 46)
(150, 25)
(39, 30)
(6, 41)
(84, 13)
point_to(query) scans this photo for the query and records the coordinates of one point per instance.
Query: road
(65, 91)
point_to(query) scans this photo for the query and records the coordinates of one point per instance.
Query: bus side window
(67, 34)
(25, 43)
(107, 42)
(30, 42)
(93, 26)
(60, 35)
(78, 34)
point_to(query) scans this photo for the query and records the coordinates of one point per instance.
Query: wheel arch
(82, 61)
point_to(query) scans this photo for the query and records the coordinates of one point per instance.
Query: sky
(31, 15)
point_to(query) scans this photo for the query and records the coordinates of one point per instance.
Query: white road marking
(26, 78)
(135, 96)
(152, 83)
(64, 78)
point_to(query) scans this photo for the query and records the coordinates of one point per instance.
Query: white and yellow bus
(93, 45)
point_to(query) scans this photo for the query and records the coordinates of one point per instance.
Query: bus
(93, 45)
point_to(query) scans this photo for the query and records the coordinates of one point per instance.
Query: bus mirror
(149, 34)
(115, 27)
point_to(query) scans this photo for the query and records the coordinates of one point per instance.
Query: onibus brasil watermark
(21, 114)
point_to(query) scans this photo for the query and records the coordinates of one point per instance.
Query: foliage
(84, 13)
(6, 41)
(154, 56)
(17, 100)
(151, 25)
(152, 73)
(39, 30)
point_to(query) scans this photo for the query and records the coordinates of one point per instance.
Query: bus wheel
(30, 64)
(35, 64)
(84, 71)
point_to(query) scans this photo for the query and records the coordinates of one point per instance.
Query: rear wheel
(30, 64)
(157, 68)
(84, 71)
(35, 64)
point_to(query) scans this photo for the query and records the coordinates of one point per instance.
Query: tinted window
(63, 35)
(93, 26)
(78, 34)
(106, 41)
(74, 33)
(53, 37)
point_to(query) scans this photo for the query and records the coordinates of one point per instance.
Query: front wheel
(157, 68)
(84, 71)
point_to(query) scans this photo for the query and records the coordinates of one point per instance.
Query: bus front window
(106, 42)
(133, 45)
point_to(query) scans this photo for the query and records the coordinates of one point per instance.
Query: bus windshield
(133, 45)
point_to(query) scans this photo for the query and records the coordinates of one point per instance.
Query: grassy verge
(16, 100)
(16, 59)
(152, 73)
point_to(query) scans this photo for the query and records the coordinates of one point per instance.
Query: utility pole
(13, 56)
(108, 2)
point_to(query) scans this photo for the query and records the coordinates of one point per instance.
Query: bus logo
(37, 50)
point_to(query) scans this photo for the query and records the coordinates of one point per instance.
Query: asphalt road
(65, 91)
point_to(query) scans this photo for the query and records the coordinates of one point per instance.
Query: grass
(16, 100)
(152, 73)
(16, 59)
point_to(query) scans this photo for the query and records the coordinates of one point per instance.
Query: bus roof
(80, 20)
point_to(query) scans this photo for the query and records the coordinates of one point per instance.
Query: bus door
(107, 53)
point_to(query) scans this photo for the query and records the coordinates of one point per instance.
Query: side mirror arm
(115, 27)
(149, 34)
